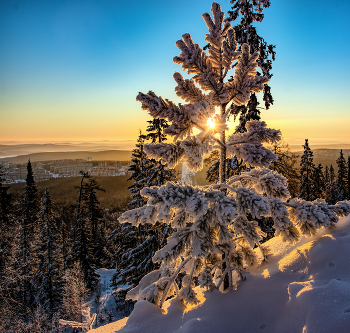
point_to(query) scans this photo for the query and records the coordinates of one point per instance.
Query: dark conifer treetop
(250, 11)
(31, 198)
(155, 130)
(92, 204)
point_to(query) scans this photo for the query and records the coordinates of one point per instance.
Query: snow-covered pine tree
(342, 176)
(306, 173)
(134, 256)
(138, 260)
(48, 281)
(29, 234)
(157, 172)
(147, 171)
(91, 204)
(249, 12)
(138, 168)
(125, 238)
(134, 263)
(91, 210)
(215, 225)
(81, 252)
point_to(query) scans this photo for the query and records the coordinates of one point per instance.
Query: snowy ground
(303, 288)
(107, 300)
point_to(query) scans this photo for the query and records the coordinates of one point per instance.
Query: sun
(210, 123)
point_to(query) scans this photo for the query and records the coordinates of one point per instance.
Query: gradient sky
(71, 70)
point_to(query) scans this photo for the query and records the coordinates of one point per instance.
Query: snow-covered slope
(303, 288)
(107, 302)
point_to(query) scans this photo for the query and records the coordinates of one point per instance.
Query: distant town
(16, 173)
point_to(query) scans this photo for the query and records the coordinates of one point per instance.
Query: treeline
(324, 183)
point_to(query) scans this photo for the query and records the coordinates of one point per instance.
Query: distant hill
(333, 146)
(323, 156)
(11, 149)
(106, 155)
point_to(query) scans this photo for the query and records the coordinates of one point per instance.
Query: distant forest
(63, 192)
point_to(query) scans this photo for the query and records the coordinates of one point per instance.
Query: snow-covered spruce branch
(246, 146)
(246, 81)
(156, 286)
(310, 216)
(202, 217)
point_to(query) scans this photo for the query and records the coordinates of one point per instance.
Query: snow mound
(303, 288)
(112, 327)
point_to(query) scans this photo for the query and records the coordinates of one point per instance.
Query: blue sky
(71, 70)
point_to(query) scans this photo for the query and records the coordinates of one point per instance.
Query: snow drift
(302, 288)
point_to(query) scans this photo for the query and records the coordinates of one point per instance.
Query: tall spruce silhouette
(342, 177)
(81, 248)
(306, 173)
(137, 169)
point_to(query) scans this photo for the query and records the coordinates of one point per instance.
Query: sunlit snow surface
(303, 288)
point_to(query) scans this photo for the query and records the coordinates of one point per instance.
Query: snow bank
(303, 288)
(112, 327)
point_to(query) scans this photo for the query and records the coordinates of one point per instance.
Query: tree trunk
(222, 180)
(222, 168)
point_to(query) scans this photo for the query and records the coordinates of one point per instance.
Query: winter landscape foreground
(302, 288)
